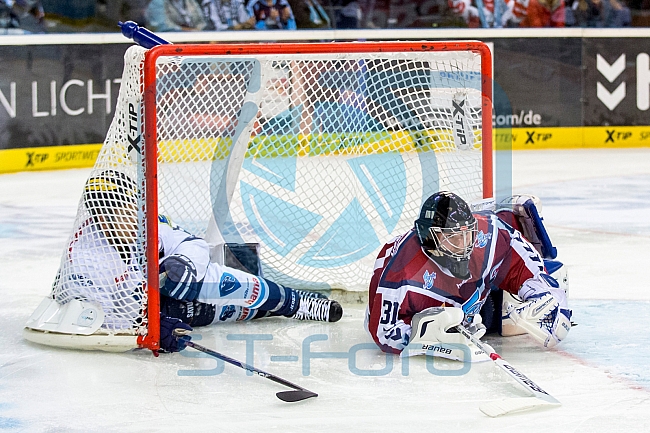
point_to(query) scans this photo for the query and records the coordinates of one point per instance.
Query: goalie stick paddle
(298, 394)
(538, 397)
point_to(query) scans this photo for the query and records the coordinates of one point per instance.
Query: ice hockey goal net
(318, 153)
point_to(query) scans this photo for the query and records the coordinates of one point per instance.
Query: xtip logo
(613, 71)
(34, 158)
(463, 136)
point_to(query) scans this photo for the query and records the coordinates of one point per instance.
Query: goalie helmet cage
(317, 152)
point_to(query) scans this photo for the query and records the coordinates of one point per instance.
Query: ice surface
(597, 210)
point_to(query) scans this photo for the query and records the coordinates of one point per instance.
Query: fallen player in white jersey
(102, 267)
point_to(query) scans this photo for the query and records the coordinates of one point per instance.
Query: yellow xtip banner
(572, 137)
(530, 138)
(48, 158)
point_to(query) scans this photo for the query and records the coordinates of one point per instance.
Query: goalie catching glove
(432, 334)
(541, 317)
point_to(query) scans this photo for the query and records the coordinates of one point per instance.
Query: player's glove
(168, 341)
(542, 317)
(178, 278)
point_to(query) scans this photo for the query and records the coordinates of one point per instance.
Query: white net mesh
(103, 260)
(319, 158)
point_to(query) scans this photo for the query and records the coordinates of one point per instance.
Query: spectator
(512, 13)
(227, 15)
(175, 15)
(569, 14)
(272, 14)
(516, 11)
(619, 15)
(600, 13)
(469, 12)
(544, 13)
(8, 19)
(349, 16)
(112, 11)
(21, 16)
(587, 13)
(309, 14)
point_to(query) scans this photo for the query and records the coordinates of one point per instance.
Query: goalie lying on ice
(441, 273)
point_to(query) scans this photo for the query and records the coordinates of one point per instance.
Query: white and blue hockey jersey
(95, 270)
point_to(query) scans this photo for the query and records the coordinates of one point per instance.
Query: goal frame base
(101, 342)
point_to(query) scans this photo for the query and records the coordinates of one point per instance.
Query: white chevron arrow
(611, 72)
(611, 100)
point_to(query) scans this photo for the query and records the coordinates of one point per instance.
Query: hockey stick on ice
(298, 394)
(538, 398)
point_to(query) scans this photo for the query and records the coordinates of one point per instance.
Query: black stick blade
(291, 396)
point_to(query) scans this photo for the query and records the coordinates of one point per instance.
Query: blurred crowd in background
(65, 16)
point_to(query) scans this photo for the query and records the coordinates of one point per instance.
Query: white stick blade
(510, 405)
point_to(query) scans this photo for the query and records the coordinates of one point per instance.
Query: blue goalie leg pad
(548, 250)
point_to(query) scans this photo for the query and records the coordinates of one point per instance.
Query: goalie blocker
(434, 334)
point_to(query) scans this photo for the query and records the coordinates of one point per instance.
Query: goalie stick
(538, 398)
(298, 394)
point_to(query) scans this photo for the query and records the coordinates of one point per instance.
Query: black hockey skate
(317, 308)
(308, 294)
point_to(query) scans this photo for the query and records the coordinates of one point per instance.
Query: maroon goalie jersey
(406, 281)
